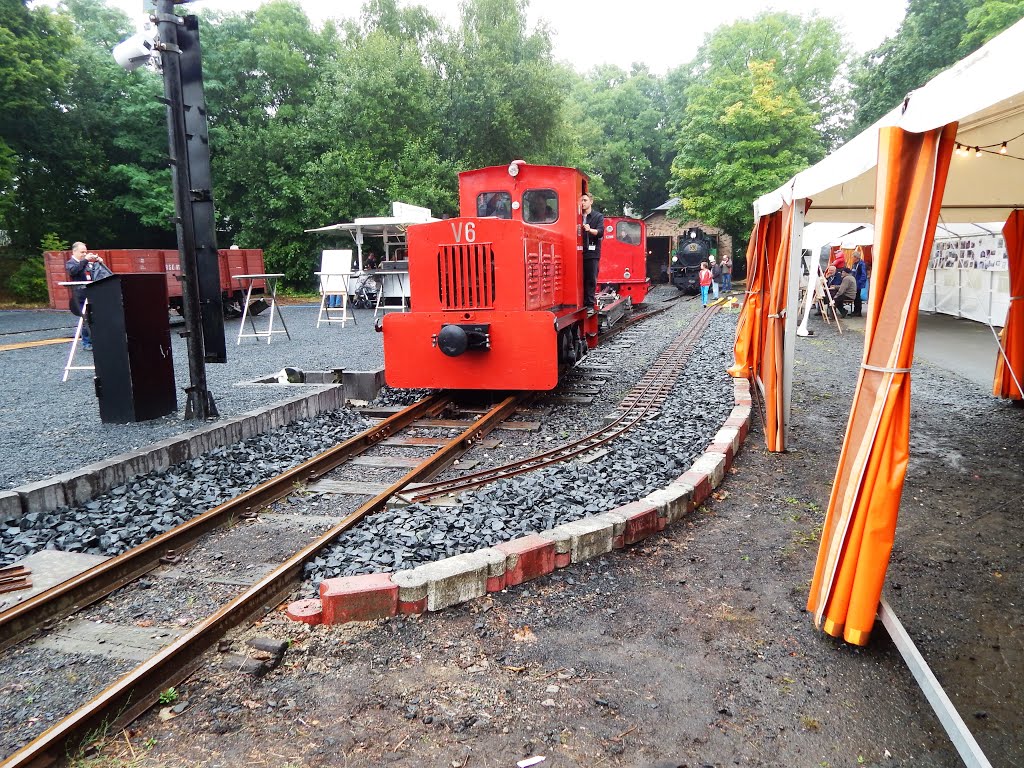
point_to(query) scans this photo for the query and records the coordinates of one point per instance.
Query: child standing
(705, 282)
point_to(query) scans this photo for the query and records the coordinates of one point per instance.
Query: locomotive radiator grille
(543, 275)
(465, 276)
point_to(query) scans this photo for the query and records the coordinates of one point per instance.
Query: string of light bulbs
(966, 150)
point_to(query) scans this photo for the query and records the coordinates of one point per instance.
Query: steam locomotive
(497, 293)
(694, 247)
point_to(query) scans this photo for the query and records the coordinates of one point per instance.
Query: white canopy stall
(390, 229)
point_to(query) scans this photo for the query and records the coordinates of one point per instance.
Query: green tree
(262, 69)
(808, 54)
(503, 93)
(35, 64)
(623, 128)
(743, 135)
(987, 20)
(927, 42)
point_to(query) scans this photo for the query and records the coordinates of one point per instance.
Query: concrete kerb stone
(412, 590)
(10, 506)
(460, 578)
(42, 495)
(247, 422)
(527, 558)
(365, 597)
(81, 485)
(712, 465)
(672, 503)
(454, 580)
(584, 539)
(166, 453)
(728, 436)
(640, 520)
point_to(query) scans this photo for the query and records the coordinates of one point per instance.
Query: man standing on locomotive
(593, 233)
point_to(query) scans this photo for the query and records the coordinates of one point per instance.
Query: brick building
(663, 236)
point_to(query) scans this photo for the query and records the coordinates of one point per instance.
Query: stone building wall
(660, 225)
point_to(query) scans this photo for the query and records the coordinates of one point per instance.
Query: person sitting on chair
(845, 292)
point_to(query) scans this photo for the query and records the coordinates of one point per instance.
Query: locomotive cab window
(628, 232)
(497, 204)
(540, 206)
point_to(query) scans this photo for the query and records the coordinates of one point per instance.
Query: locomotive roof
(553, 170)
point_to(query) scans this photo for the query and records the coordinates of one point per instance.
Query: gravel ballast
(645, 458)
(157, 501)
(51, 426)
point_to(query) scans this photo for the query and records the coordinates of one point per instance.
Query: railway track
(137, 691)
(128, 697)
(645, 398)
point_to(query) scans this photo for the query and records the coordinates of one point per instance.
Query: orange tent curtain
(775, 334)
(747, 349)
(861, 521)
(1012, 336)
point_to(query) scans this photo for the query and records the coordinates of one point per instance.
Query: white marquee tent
(984, 93)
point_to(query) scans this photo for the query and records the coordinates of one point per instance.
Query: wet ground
(690, 649)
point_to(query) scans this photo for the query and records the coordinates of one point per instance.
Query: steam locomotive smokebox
(131, 338)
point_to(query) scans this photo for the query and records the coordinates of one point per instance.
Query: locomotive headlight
(513, 168)
(625, 275)
(675, 259)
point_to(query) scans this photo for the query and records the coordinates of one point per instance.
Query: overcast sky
(660, 33)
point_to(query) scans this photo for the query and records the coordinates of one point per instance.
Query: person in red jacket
(706, 278)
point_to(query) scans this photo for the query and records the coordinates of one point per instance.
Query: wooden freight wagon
(233, 261)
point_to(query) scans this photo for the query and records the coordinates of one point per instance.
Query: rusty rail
(638, 403)
(138, 690)
(21, 620)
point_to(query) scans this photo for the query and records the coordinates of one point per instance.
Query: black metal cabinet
(131, 338)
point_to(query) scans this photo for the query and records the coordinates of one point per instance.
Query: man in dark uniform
(593, 233)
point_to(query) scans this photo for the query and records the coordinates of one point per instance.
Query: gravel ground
(50, 426)
(692, 648)
(646, 458)
(155, 502)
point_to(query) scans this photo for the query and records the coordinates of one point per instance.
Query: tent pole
(958, 732)
(792, 314)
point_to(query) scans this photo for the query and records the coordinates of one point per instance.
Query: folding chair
(335, 273)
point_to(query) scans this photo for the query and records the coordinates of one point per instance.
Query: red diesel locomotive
(496, 295)
(624, 259)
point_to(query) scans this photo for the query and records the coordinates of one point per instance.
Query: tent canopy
(984, 93)
(391, 229)
(402, 215)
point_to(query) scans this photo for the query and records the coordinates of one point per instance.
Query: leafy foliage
(742, 135)
(28, 282)
(310, 125)
(987, 20)
(807, 54)
(934, 35)
(624, 131)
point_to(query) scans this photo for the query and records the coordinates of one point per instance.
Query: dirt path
(690, 649)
